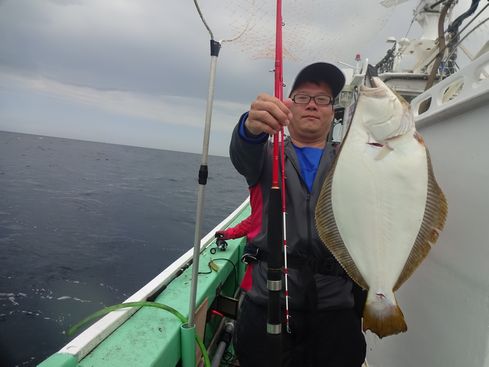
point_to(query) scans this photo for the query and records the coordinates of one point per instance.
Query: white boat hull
(446, 301)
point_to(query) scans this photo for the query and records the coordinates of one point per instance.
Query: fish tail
(383, 316)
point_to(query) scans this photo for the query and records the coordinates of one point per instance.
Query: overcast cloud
(136, 72)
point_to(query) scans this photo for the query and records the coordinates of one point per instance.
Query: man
(326, 330)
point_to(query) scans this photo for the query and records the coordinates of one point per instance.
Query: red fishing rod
(275, 220)
(284, 228)
(281, 137)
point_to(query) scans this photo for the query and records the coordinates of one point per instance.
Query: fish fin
(433, 222)
(419, 138)
(382, 316)
(329, 233)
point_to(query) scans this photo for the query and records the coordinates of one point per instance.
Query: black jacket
(310, 286)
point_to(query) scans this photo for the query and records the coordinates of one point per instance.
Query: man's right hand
(268, 115)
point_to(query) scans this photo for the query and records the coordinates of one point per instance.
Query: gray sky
(136, 72)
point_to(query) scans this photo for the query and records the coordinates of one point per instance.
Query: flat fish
(380, 208)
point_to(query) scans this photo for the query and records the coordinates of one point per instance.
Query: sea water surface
(84, 225)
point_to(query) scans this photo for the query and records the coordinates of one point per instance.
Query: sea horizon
(83, 225)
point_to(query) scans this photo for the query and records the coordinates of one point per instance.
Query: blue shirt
(309, 158)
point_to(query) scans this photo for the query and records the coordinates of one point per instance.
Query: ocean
(84, 225)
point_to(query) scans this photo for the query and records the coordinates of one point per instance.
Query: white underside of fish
(380, 209)
(385, 199)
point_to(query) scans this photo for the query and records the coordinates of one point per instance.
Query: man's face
(311, 122)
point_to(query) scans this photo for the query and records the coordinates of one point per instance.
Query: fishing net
(316, 29)
(313, 29)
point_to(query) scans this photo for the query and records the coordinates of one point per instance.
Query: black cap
(321, 72)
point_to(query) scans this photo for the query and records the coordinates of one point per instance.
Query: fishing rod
(284, 222)
(275, 220)
(281, 143)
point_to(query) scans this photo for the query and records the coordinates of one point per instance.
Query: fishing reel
(221, 244)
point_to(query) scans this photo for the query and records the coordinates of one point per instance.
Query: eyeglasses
(320, 100)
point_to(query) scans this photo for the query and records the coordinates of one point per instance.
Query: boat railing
(84, 343)
(455, 94)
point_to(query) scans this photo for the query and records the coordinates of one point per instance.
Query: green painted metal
(151, 337)
(59, 360)
(187, 337)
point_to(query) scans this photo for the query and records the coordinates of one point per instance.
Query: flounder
(380, 209)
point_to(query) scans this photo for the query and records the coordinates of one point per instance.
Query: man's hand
(220, 234)
(268, 115)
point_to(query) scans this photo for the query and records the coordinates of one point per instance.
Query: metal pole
(203, 172)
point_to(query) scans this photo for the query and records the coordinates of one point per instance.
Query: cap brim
(321, 72)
